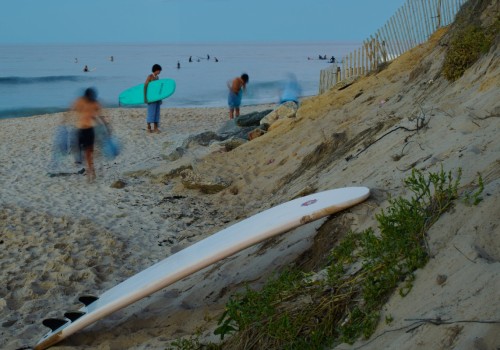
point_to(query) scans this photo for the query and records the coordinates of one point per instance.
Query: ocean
(36, 79)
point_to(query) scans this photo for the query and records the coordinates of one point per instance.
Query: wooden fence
(411, 25)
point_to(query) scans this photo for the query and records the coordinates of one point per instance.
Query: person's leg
(237, 103)
(156, 122)
(87, 141)
(151, 115)
(231, 101)
(89, 156)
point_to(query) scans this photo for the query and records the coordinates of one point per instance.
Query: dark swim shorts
(86, 138)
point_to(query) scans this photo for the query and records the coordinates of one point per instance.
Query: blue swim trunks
(153, 112)
(234, 100)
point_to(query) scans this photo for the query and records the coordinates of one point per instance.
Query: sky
(190, 21)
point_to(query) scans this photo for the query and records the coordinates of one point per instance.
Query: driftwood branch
(421, 123)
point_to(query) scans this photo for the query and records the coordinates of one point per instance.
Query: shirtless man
(236, 88)
(87, 109)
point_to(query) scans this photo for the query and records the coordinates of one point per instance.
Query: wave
(29, 111)
(43, 80)
(32, 111)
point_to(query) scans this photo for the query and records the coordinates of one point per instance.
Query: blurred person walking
(87, 109)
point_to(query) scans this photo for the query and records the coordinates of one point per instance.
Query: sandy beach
(61, 228)
(62, 237)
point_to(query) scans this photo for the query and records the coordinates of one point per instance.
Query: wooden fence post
(354, 63)
(383, 46)
(344, 75)
(360, 70)
(388, 42)
(367, 58)
(351, 61)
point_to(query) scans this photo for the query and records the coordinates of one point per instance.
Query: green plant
(465, 49)
(251, 307)
(473, 197)
(193, 343)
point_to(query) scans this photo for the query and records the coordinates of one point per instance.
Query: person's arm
(148, 80)
(241, 85)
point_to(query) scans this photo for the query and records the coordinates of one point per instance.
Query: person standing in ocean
(153, 114)
(236, 88)
(87, 109)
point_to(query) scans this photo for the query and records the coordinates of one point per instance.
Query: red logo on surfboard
(308, 203)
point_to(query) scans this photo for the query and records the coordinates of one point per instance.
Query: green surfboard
(157, 90)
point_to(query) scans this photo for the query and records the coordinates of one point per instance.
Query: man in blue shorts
(236, 88)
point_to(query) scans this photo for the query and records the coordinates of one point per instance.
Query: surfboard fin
(87, 299)
(74, 315)
(54, 323)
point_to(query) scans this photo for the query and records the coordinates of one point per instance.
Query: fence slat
(432, 13)
(453, 6)
(428, 24)
(388, 41)
(403, 29)
(396, 36)
(392, 40)
(412, 17)
(423, 25)
(417, 20)
(407, 24)
(446, 10)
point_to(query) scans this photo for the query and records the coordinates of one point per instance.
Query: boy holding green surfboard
(153, 115)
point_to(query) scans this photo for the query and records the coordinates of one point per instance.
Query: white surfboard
(218, 246)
